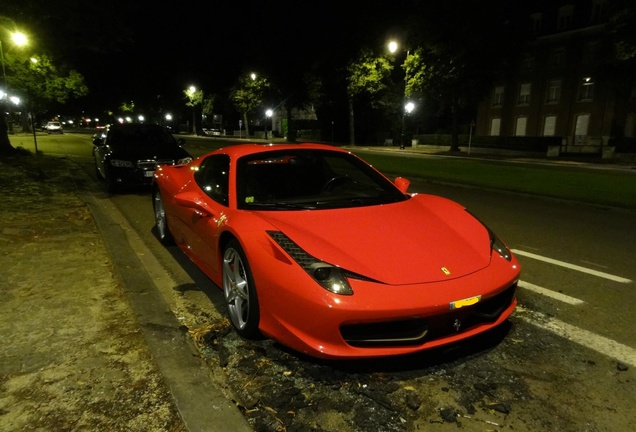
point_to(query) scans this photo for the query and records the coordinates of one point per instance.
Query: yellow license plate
(464, 302)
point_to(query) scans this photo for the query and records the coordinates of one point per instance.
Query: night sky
(128, 51)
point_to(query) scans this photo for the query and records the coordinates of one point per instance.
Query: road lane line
(549, 293)
(571, 266)
(603, 345)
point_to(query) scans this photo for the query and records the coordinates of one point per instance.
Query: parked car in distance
(316, 249)
(211, 132)
(127, 155)
(54, 127)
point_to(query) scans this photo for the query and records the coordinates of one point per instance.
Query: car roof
(254, 148)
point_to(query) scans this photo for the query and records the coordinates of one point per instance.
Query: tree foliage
(368, 74)
(248, 95)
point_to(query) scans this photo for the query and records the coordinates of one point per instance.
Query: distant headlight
(326, 275)
(184, 160)
(119, 163)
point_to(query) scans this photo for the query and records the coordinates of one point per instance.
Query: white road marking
(603, 345)
(572, 266)
(549, 293)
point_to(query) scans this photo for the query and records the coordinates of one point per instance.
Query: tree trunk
(455, 127)
(247, 126)
(5, 145)
(292, 133)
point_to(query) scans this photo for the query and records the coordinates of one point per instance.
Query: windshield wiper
(281, 205)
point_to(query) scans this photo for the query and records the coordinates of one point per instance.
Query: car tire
(111, 184)
(240, 291)
(161, 222)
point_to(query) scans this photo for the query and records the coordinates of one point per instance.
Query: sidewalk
(73, 356)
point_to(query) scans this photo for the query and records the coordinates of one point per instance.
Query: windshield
(141, 136)
(310, 179)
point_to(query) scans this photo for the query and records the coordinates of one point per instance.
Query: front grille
(419, 330)
(150, 164)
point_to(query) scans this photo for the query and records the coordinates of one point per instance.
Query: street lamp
(19, 39)
(269, 114)
(191, 93)
(408, 108)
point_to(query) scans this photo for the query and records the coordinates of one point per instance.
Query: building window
(524, 94)
(565, 17)
(520, 126)
(535, 22)
(580, 129)
(590, 52)
(549, 125)
(598, 7)
(630, 126)
(557, 57)
(527, 64)
(586, 90)
(498, 96)
(495, 126)
(553, 91)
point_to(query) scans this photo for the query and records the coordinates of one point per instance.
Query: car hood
(423, 239)
(149, 153)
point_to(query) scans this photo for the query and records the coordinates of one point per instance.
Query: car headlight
(498, 246)
(495, 243)
(184, 160)
(119, 163)
(328, 276)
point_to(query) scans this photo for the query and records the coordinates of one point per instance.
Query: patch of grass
(608, 187)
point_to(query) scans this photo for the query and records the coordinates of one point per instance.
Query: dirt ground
(73, 357)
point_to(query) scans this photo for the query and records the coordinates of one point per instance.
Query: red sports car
(316, 249)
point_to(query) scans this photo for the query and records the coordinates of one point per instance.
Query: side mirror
(98, 142)
(402, 184)
(181, 142)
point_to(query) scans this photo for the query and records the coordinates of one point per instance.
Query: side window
(212, 177)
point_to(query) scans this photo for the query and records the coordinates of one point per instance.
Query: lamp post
(269, 114)
(19, 39)
(191, 92)
(408, 108)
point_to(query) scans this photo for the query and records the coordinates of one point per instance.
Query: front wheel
(240, 292)
(163, 232)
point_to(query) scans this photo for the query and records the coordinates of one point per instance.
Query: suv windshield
(141, 136)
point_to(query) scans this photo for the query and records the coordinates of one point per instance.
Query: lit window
(586, 90)
(554, 91)
(524, 94)
(520, 126)
(549, 125)
(498, 96)
(495, 126)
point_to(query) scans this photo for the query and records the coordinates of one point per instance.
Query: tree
(462, 48)
(247, 95)
(40, 82)
(367, 74)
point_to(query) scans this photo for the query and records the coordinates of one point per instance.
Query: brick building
(565, 83)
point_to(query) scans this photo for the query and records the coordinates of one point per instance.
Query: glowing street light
(408, 108)
(19, 39)
(269, 114)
